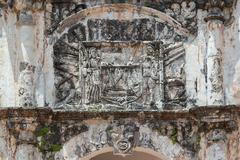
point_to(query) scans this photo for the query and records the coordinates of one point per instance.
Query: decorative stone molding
(78, 134)
(215, 10)
(183, 11)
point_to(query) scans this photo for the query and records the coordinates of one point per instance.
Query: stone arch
(121, 11)
(97, 140)
(147, 153)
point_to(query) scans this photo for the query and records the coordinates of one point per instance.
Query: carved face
(122, 138)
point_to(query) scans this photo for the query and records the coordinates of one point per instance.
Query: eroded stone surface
(153, 21)
(49, 136)
(102, 57)
(115, 69)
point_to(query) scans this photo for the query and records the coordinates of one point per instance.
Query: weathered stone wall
(45, 19)
(120, 75)
(43, 134)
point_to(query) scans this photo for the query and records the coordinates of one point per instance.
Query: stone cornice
(198, 114)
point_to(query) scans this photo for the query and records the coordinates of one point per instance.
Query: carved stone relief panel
(122, 77)
(120, 65)
(130, 30)
(181, 10)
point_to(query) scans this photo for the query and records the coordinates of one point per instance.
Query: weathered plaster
(195, 66)
(43, 134)
(31, 36)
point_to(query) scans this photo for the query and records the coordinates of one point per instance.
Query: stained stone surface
(122, 65)
(43, 134)
(56, 38)
(119, 76)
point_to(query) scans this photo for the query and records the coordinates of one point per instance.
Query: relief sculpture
(117, 73)
(91, 76)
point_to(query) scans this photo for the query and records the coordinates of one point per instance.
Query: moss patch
(45, 140)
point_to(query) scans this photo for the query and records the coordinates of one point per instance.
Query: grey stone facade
(84, 78)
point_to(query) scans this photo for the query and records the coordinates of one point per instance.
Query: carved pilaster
(27, 60)
(215, 51)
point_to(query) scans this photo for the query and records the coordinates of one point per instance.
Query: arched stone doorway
(138, 154)
(120, 137)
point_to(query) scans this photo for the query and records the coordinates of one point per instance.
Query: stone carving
(77, 33)
(181, 10)
(95, 67)
(123, 137)
(61, 11)
(91, 76)
(185, 13)
(216, 74)
(175, 77)
(67, 74)
(130, 30)
(26, 97)
(216, 135)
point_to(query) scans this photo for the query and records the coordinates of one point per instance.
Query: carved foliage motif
(185, 13)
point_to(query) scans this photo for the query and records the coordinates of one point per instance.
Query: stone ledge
(205, 114)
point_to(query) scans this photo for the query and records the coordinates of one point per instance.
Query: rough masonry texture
(119, 79)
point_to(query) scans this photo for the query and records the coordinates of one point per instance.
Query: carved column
(27, 61)
(215, 26)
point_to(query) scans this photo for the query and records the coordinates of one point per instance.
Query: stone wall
(43, 20)
(79, 77)
(205, 133)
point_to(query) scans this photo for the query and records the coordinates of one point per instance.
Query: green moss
(42, 132)
(198, 141)
(56, 147)
(43, 144)
(174, 136)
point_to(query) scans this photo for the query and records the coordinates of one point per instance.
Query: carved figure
(93, 94)
(150, 77)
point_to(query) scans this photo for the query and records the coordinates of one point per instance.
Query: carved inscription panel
(120, 66)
